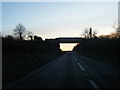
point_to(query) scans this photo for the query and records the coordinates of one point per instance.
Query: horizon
(59, 19)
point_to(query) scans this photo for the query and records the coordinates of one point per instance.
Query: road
(71, 70)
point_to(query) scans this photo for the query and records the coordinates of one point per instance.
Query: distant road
(71, 70)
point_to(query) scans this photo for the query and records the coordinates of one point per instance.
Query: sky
(67, 46)
(59, 19)
(0, 17)
(59, 0)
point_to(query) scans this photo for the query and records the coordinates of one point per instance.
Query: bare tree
(89, 33)
(30, 35)
(117, 29)
(19, 31)
(85, 33)
(94, 33)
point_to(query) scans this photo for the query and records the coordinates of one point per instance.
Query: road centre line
(94, 84)
(79, 64)
(74, 57)
(81, 67)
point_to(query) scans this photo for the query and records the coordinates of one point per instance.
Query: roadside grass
(104, 50)
(104, 57)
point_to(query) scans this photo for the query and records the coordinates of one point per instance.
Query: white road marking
(74, 57)
(91, 81)
(94, 84)
(81, 67)
(79, 63)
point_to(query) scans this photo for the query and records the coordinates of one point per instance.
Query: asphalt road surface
(71, 70)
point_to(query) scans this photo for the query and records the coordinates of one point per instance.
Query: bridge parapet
(69, 39)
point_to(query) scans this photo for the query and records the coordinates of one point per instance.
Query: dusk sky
(59, 19)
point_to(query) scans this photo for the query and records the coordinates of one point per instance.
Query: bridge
(55, 43)
(65, 40)
(69, 39)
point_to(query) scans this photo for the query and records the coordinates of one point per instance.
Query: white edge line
(93, 84)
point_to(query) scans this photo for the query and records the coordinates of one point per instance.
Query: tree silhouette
(85, 33)
(30, 35)
(10, 37)
(94, 34)
(19, 31)
(89, 33)
(36, 38)
(117, 28)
